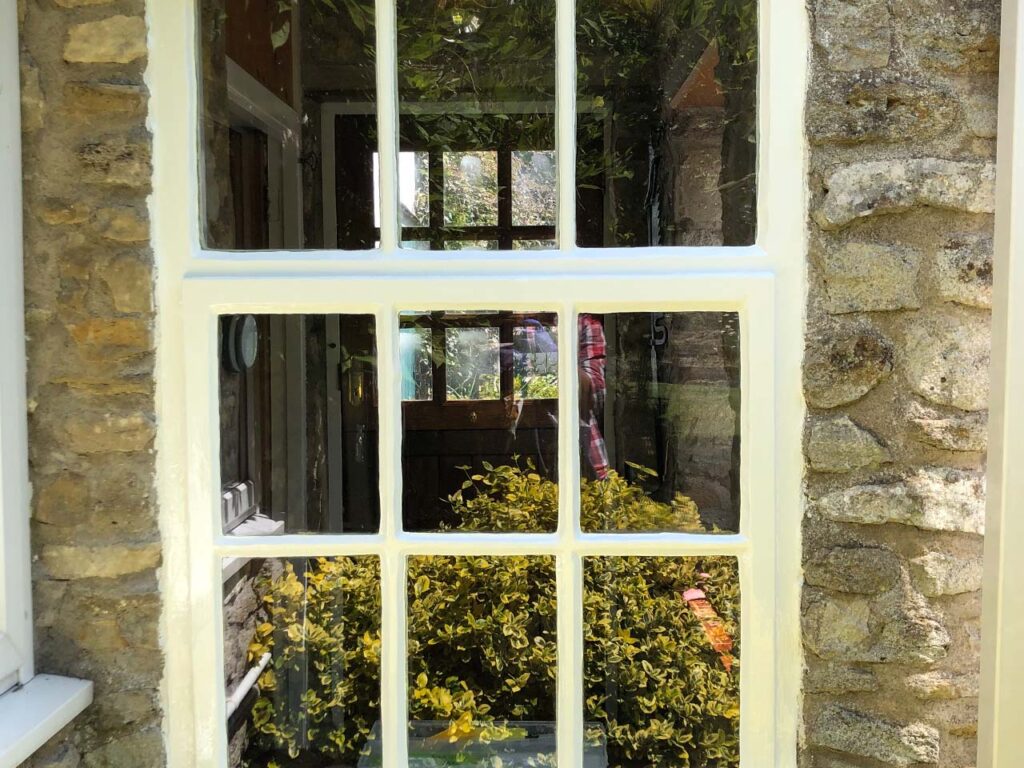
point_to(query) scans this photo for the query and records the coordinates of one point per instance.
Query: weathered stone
(861, 570)
(61, 212)
(127, 707)
(104, 98)
(866, 277)
(138, 750)
(836, 444)
(834, 678)
(73, 562)
(940, 573)
(947, 360)
(58, 753)
(105, 332)
(955, 432)
(877, 106)
(963, 270)
(115, 162)
(867, 735)
(932, 499)
(114, 40)
(57, 501)
(124, 225)
(940, 685)
(843, 365)
(33, 105)
(81, 3)
(982, 113)
(88, 432)
(870, 47)
(896, 627)
(889, 186)
(955, 36)
(130, 282)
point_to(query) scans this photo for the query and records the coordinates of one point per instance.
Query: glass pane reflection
(482, 452)
(666, 124)
(476, 94)
(661, 660)
(482, 671)
(301, 660)
(659, 421)
(298, 424)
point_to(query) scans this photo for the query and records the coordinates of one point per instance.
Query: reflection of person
(591, 360)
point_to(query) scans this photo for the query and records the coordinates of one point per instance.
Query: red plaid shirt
(592, 359)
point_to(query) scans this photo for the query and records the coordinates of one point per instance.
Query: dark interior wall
(261, 40)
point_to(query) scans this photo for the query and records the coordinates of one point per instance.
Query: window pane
(298, 424)
(533, 188)
(666, 125)
(535, 360)
(483, 453)
(470, 188)
(659, 421)
(311, 64)
(661, 660)
(302, 660)
(482, 672)
(476, 90)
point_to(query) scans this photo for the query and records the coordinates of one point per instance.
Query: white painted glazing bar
(569, 703)
(454, 543)
(387, 123)
(393, 677)
(565, 122)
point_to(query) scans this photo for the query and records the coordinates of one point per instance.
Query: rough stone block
(116, 162)
(877, 106)
(73, 562)
(108, 99)
(947, 359)
(869, 47)
(952, 432)
(114, 40)
(956, 36)
(940, 573)
(933, 499)
(867, 735)
(123, 224)
(89, 432)
(836, 678)
(894, 627)
(866, 277)
(843, 364)
(889, 186)
(129, 279)
(33, 103)
(963, 270)
(941, 685)
(837, 444)
(860, 570)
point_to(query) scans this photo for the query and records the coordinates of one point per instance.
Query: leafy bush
(482, 639)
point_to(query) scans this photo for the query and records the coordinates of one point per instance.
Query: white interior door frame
(1000, 737)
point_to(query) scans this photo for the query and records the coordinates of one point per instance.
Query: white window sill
(32, 714)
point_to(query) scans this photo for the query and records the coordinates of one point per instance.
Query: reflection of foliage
(471, 363)
(482, 639)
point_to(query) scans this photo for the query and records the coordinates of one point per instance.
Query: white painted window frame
(764, 283)
(32, 707)
(253, 105)
(1000, 736)
(15, 577)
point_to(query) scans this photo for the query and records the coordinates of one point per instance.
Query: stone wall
(89, 298)
(901, 118)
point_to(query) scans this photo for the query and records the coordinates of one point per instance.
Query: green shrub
(482, 638)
